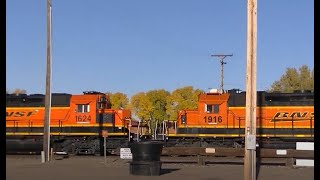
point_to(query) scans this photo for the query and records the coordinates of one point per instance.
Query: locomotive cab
(210, 115)
(213, 107)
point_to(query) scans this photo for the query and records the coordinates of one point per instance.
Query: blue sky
(132, 46)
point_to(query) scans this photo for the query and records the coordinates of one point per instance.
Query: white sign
(210, 150)
(281, 152)
(125, 153)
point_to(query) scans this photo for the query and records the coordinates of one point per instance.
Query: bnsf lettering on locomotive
(20, 113)
(281, 115)
(298, 115)
(286, 116)
(9, 114)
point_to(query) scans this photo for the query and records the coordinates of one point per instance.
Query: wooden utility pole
(251, 93)
(222, 62)
(46, 134)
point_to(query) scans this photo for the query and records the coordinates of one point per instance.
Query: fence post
(290, 162)
(201, 162)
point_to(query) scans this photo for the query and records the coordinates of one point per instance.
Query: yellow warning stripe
(66, 125)
(237, 127)
(274, 107)
(16, 108)
(237, 135)
(61, 134)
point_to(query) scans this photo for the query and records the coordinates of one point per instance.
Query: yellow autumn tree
(182, 98)
(141, 106)
(118, 100)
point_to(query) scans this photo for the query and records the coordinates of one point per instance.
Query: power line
(222, 62)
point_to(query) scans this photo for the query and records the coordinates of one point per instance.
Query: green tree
(294, 80)
(158, 99)
(118, 100)
(141, 106)
(150, 106)
(306, 78)
(182, 98)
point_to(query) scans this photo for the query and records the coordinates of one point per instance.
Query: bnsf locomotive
(282, 119)
(76, 123)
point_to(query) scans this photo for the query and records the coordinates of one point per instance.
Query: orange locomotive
(220, 120)
(76, 123)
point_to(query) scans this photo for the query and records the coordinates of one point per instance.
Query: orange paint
(83, 109)
(234, 117)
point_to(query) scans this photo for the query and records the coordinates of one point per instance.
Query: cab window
(212, 108)
(83, 108)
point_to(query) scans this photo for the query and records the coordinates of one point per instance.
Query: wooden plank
(183, 150)
(291, 153)
(229, 152)
(263, 153)
(206, 160)
(303, 154)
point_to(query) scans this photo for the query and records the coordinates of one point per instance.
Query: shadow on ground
(167, 170)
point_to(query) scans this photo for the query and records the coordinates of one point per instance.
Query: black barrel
(146, 158)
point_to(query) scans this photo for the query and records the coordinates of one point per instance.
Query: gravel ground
(94, 168)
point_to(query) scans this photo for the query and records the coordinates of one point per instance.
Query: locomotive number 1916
(212, 119)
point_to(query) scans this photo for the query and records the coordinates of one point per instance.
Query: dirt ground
(94, 168)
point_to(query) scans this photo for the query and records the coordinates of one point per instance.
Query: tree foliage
(16, 91)
(118, 100)
(293, 79)
(141, 106)
(158, 100)
(306, 78)
(182, 98)
(158, 105)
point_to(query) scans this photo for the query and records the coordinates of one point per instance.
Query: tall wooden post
(251, 93)
(46, 133)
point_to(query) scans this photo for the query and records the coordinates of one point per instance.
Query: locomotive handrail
(236, 117)
(311, 132)
(67, 115)
(30, 125)
(122, 120)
